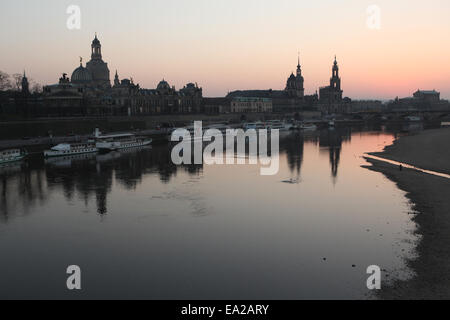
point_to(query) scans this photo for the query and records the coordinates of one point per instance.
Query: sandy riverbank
(431, 198)
(429, 150)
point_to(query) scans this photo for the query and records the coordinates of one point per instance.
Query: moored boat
(413, 119)
(12, 155)
(120, 141)
(279, 125)
(67, 149)
(308, 127)
(253, 125)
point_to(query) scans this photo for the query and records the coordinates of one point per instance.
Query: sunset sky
(226, 45)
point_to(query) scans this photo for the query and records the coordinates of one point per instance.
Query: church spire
(96, 48)
(116, 79)
(335, 68)
(299, 68)
(335, 81)
(25, 85)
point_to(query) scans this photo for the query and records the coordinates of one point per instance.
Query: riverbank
(430, 197)
(427, 150)
(40, 127)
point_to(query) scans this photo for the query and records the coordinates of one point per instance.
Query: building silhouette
(89, 92)
(333, 93)
(291, 99)
(294, 86)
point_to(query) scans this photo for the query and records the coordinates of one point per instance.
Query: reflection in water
(92, 175)
(293, 146)
(20, 185)
(196, 232)
(85, 176)
(332, 140)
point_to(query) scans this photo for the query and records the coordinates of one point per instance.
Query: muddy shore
(428, 150)
(430, 196)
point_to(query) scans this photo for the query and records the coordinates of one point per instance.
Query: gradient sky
(226, 45)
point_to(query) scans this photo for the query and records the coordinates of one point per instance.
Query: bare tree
(36, 87)
(5, 82)
(17, 78)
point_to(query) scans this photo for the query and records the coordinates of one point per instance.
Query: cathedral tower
(25, 85)
(116, 79)
(97, 67)
(294, 86)
(335, 81)
(333, 93)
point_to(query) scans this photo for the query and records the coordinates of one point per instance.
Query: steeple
(294, 86)
(116, 79)
(96, 48)
(335, 68)
(335, 81)
(25, 85)
(299, 68)
(97, 67)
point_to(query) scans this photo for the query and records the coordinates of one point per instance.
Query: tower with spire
(97, 67)
(25, 84)
(299, 67)
(335, 81)
(116, 79)
(332, 94)
(295, 83)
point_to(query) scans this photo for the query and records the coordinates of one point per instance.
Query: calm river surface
(141, 227)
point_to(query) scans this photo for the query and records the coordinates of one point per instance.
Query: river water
(140, 227)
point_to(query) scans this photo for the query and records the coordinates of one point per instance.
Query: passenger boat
(201, 133)
(120, 141)
(413, 119)
(279, 125)
(307, 127)
(68, 149)
(254, 125)
(12, 155)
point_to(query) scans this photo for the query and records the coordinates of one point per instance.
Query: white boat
(68, 149)
(200, 134)
(120, 141)
(279, 125)
(307, 127)
(11, 155)
(413, 119)
(254, 125)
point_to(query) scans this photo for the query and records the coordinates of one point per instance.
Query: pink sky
(230, 45)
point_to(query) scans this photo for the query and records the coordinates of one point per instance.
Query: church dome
(163, 85)
(81, 75)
